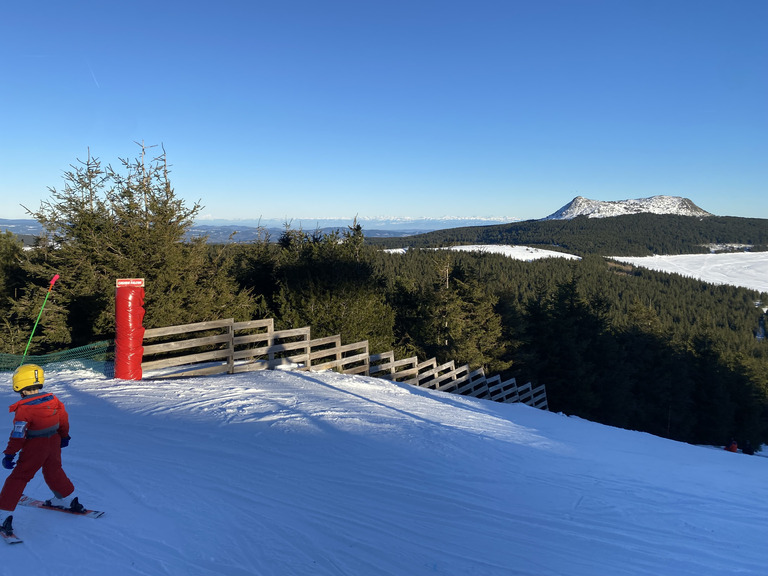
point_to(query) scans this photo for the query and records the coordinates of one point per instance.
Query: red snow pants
(37, 453)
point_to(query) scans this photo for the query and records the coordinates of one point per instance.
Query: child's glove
(8, 461)
(65, 441)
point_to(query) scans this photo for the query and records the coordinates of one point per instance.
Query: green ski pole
(53, 281)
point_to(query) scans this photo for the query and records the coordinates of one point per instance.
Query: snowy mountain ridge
(581, 206)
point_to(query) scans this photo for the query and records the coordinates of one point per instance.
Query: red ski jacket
(37, 415)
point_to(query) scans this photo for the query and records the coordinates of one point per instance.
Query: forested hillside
(629, 235)
(623, 346)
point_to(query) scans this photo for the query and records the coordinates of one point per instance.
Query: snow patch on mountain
(581, 206)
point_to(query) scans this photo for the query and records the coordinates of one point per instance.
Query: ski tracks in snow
(274, 474)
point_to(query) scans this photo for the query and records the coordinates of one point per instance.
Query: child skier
(40, 431)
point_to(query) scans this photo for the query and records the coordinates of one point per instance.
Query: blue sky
(336, 108)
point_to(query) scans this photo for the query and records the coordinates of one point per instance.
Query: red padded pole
(129, 331)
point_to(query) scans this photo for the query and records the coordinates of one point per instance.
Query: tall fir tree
(108, 223)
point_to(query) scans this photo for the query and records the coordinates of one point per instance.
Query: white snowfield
(512, 251)
(747, 269)
(320, 474)
(516, 252)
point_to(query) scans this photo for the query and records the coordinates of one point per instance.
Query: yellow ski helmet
(28, 376)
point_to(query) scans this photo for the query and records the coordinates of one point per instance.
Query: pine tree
(326, 281)
(108, 223)
(12, 282)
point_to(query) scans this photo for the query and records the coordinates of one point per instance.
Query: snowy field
(517, 252)
(746, 269)
(319, 474)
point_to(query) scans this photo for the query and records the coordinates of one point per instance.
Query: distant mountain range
(222, 231)
(581, 206)
(381, 227)
(21, 227)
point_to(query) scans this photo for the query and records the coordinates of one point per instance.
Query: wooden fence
(227, 346)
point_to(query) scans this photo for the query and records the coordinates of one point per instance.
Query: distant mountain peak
(581, 206)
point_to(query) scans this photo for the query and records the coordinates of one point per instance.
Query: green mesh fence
(99, 357)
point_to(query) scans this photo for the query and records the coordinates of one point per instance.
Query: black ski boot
(7, 526)
(74, 506)
(77, 507)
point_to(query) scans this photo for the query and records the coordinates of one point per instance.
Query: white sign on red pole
(135, 282)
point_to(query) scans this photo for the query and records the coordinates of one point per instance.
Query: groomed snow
(294, 473)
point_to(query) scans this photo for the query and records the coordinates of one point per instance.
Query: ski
(27, 501)
(10, 538)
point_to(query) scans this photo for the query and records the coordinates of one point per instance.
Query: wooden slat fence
(220, 346)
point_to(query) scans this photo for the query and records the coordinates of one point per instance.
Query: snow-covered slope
(746, 269)
(515, 252)
(289, 474)
(581, 206)
(527, 253)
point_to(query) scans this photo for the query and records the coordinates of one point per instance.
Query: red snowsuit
(41, 421)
